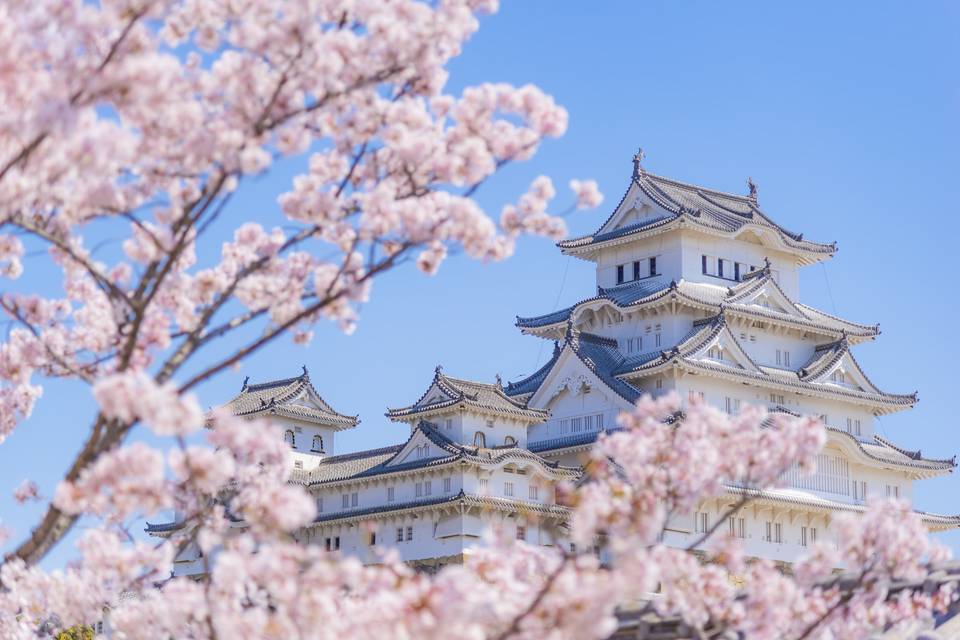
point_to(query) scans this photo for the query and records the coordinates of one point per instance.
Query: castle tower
(698, 293)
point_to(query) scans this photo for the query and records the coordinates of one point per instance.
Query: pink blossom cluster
(112, 116)
(134, 395)
(646, 474)
(261, 583)
(587, 192)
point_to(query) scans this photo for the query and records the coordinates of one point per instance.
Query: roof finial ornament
(438, 370)
(556, 347)
(753, 189)
(637, 159)
(246, 381)
(499, 380)
(306, 373)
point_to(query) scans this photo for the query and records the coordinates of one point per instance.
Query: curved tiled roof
(465, 499)
(703, 295)
(376, 462)
(602, 357)
(697, 206)
(291, 397)
(532, 382)
(706, 329)
(476, 395)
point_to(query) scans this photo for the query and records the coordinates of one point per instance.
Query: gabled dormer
(310, 424)
(471, 413)
(834, 366)
(712, 342)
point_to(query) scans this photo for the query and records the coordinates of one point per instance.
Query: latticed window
(479, 439)
(318, 443)
(289, 438)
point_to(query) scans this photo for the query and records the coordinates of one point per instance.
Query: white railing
(832, 476)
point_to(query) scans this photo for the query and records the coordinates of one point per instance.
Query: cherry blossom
(587, 192)
(134, 123)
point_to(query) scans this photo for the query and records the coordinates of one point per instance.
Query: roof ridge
(697, 187)
(365, 453)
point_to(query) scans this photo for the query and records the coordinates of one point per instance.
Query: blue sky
(845, 117)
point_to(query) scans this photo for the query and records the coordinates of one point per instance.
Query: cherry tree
(139, 119)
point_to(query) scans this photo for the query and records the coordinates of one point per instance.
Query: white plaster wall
(666, 248)
(570, 404)
(694, 245)
(716, 391)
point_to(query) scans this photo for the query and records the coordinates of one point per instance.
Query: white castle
(697, 292)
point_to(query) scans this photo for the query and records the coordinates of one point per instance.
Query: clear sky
(844, 114)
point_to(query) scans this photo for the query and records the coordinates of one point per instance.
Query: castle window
(636, 270)
(428, 488)
(409, 534)
(449, 424)
(732, 405)
(508, 489)
(317, 444)
(853, 426)
(521, 532)
(509, 440)
(489, 424)
(373, 538)
(344, 500)
(893, 491)
(859, 489)
(479, 439)
(653, 266)
(576, 424)
(534, 492)
(418, 489)
(701, 522)
(619, 274)
(289, 438)
(320, 504)
(391, 494)
(738, 527)
(484, 485)
(336, 543)
(837, 376)
(354, 499)
(298, 464)
(447, 485)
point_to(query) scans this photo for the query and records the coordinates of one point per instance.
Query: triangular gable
(767, 294)
(635, 208)
(570, 374)
(722, 348)
(436, 394)
(853, 375)
(421, 447)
